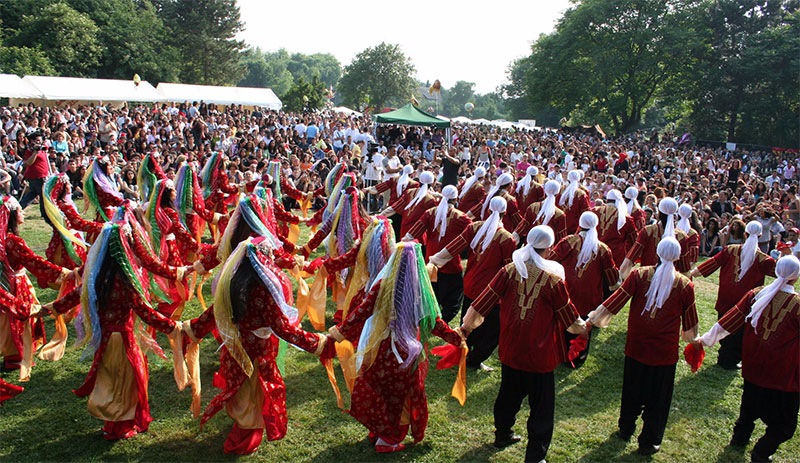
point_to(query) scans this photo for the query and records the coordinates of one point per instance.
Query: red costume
(644, 248)
(529, 220)
(618, 240)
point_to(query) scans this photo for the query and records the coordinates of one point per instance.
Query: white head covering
(548, 208)
(425, 179)
(787, 269)
(622, 208)
(501, 181)
(540, 237)
(632, 194)
(480, 172)
(486, 232)
(684, 212)
(568, 195)
(402, 182)
(669, 250)
(440, 221)
(525, 184)
(591, 242)
(749, 248)
(668, 206)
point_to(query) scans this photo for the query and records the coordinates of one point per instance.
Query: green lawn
(49, 423)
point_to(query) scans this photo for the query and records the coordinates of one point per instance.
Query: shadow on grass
(482, 453)
(363, 450)
(609, 450)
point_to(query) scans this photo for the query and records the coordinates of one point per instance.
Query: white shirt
(394, 163)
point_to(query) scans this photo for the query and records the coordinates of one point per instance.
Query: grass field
(49, 423)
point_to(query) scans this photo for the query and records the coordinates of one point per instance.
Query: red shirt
(475, 195)
(731, 289)
(558, 222)
(580, 204)
(653, 336)
(771, 352)
(482, 266)
(457, 221)
(534, 313)
(414, 213)
(585, 285)
(618, 240)
(644, 249)
(40, 167)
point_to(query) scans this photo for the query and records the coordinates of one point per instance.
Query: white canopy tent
(247, 96)
(462, 120)
(77, 90)
(346, 111)
(16, 89)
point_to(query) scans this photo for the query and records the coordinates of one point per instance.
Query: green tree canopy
(67, 37)
(378, 76)
(204, 32)
(305, 96)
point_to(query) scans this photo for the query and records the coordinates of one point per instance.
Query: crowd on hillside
(725, 187)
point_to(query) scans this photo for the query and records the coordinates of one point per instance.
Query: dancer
(742, 268)
(535, 310)
(770, 364)
(528, 190)
(252, 310)
(393, 325)
(662, 310)
(574, 200)
(544, 212)
(472, 191)
(616, 228)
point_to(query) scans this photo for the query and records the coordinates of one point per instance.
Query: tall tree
(378, 76)
(133, 40)
(204, 32)
(267, 70)
(67, 37)
(24, 61)
(323, 65)
(305, 96)
(607, 59)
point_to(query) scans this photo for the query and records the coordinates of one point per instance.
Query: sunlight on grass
(48, 423)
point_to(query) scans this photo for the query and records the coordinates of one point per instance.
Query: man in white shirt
(373, 174)
(338, 138)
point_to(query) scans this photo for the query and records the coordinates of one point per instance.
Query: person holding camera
(36, 168)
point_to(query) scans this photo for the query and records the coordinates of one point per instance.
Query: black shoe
(646, 450)
(621, 436)
(756, 458)
(505, 442)
(730, 367)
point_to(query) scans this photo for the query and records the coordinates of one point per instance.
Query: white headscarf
(750, 247)
(486, 232)
(787, 269)
(684, 212)
(668, 206)
(669, 250)
(402, 182)
(539, 238)
(525, 184)
(632, 194)
(440, 221)
(591, 242)
(480, 172)
(548, 208)
(425, 179)
(501, 181)
(619, 203)
(568, 195)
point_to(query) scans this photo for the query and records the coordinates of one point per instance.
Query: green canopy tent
(411, 115)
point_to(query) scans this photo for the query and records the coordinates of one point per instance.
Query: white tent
(346, 111)
(75, 90)
(248, 96)
(462, 120)
(12, 86)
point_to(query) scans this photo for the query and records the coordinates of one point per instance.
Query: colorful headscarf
(377, 245)
(405, 309)
(53, 187)
(210, 172)
(94, 178)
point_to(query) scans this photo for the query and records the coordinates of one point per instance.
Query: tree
(204, 32)
(133, 40)
(455, 97)
(24, 61)
(305, 96)
(748, 88)
(68, 38)
(323, 65)
(377, 76)
(607, 60)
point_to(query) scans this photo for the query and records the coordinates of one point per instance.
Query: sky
(446, 39)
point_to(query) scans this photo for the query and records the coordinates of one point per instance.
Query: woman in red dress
(393, 331)
(252, 310)
(113, 299)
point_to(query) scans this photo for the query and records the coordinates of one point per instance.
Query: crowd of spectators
(726, 187)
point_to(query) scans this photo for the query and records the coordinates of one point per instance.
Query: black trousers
(372, 203)
(449, 291)
(730, 348)
(777, 409)
(540, 390)
(396, 220)
(483, 340)
(646, 389)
